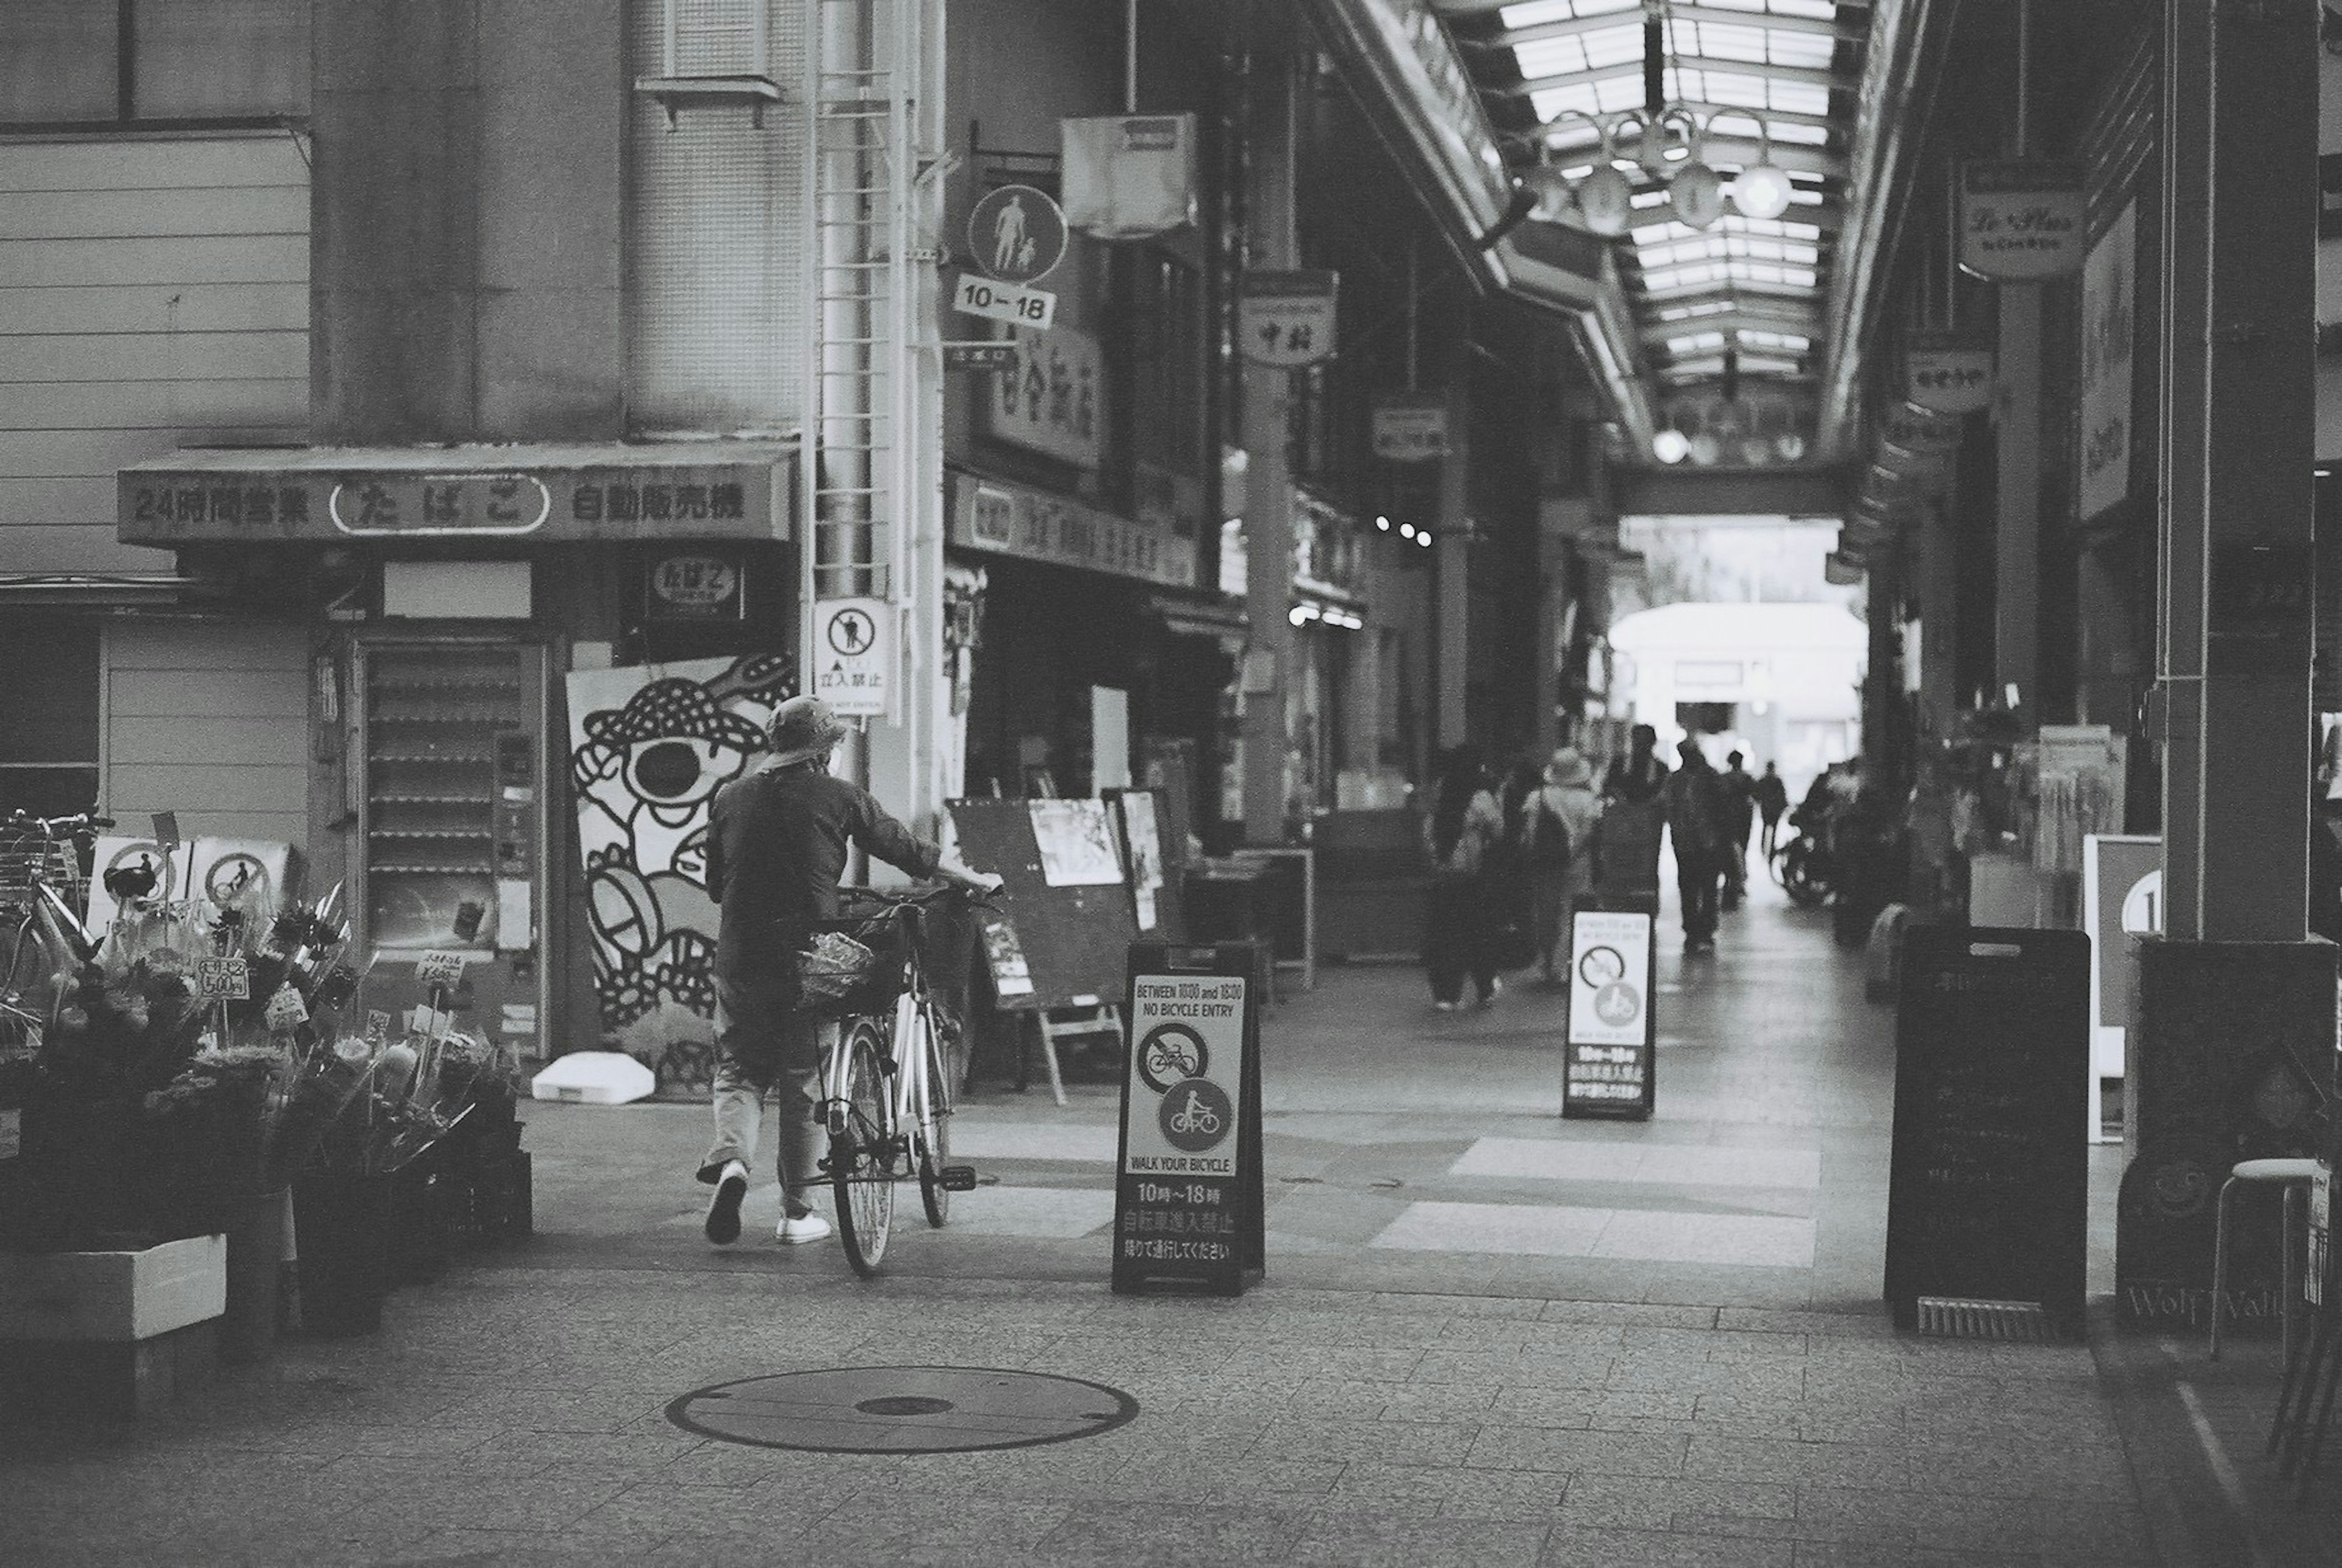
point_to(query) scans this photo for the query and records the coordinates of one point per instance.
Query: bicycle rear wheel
(931, 1135)
(862, 1150)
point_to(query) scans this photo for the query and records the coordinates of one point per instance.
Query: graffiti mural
(649, 747)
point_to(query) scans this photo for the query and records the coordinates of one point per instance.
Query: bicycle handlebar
(60, 826)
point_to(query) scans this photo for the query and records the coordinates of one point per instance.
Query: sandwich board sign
(1190, 1212)
(1607, 1070)
(854, 649)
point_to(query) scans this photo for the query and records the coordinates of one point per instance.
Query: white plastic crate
(113, 1296)
(594, 1078)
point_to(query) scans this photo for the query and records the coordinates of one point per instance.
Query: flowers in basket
(834, 969)
(417, 1092)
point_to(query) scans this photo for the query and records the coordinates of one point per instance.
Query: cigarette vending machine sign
(1607, 1070)
(1189, 1203)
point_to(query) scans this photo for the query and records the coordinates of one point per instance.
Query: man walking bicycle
(777, 845)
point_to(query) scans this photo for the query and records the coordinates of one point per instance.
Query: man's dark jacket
(777, 845)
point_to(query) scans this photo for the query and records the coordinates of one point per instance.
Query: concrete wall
(208, 719)
(466, 250)
(152, 295)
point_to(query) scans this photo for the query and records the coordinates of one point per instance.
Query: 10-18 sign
(997, 301)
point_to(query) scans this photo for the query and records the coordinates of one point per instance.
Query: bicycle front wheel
(931, 1136)
(862, 1150)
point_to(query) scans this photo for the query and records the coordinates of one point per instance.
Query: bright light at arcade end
(1406, 531)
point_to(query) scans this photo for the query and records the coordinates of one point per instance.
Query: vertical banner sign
(1190, 1212)
(1607, 1070)
(1285, 319)
(2021, 221)
(2110, 299)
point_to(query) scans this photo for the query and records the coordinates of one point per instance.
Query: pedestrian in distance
(777, 844)
(1639, 776)
(1465, 823)
(1697, 824)
(1558, 823)
(1772, 800)
(1739, 818)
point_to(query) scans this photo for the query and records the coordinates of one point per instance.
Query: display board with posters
(1609, 1068)
(1190, 1212)
(1061, 925)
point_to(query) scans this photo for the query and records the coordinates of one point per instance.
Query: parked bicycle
(43, 892)
(886, 1094)
(1802, 866)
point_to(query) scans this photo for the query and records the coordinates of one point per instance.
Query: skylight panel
(1819, 10)
(1695, 342)
(1756, 338)
(1532, 11)
(1550, 57)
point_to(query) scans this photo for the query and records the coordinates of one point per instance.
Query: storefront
(1093, 652)
(436, 607)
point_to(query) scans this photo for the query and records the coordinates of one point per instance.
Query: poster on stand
(1076, 842)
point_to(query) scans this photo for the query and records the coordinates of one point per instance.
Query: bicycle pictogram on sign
(1170, 1053)
(1195, 1114)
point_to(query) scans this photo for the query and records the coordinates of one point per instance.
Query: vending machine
(450, 774)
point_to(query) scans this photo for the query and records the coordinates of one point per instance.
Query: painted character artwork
(650, 746)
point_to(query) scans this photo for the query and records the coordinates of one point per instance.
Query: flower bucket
(341, 1229)
(419, 1224)
(255, 1259)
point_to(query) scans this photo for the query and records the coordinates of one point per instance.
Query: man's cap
(801, 729)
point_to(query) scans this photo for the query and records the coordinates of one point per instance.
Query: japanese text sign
(855, 643)
(1013, 520)
(1051, 399)
(223, 980)
(1945, 373)
(1411, 429)
(1285, 319)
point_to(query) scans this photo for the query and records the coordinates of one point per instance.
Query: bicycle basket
(28, 855)
(856, 969)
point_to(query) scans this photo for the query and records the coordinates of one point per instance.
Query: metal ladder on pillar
(861, 61)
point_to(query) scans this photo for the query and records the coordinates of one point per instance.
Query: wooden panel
(195, 792)
(115, 163)
(105, 215)
(156, 356)
(206, 645)
(195, 695)
(201, 258)
(156, 307)
(151, 405)
(213, 742)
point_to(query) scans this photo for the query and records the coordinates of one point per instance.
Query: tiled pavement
(1488, 1337)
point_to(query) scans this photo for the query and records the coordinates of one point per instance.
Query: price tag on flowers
(440, 971)
(223, 980)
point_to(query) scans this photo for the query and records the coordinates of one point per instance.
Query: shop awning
(64, 590)
(652, 492)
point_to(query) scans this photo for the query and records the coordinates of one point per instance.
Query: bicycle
(886, 1094)
(41, 886)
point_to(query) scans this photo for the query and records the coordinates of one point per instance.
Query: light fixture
(1698, 193)
(1761, 190)
(1790, 444)
(1424, 538)
(1554, 198)
(1670, 445)
(1302, 614)
(1606, 202)
(1704, 450)
(1406, 530)
(1383, 524)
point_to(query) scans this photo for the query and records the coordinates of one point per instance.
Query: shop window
(49, 725)
(133, 62)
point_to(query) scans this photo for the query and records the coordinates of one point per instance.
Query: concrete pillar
(1452, 530)
(1272, 243)
(2235, 1007)
(2017, 425)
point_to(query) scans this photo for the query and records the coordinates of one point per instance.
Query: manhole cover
(902, 1409)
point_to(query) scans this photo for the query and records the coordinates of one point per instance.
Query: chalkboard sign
(1189, 1211)
(1987, 1189)
(1049, 942)
(1289, 906)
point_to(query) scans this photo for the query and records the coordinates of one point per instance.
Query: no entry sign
(1607, 1071)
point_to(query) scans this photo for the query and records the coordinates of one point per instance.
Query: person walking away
(1696, 822)
(777, 844)
(1772, 800)
(1557, 826)
(1466, 821)
(1638, 777)
(1739, 817)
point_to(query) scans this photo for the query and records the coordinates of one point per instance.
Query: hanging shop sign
(854, 644)
(576, 493)
(1016, 234)
(1410, 427)
(1913, 429)
(1947, 372)
(1007, 519)
(1285, 319)
(1051, 398)
(696, 586)
(2021, 221)
(1126, 176)
(2109, 296)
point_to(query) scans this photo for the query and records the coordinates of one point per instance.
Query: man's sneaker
(1446, 1006)
(724, 1208)
(798, 1229)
